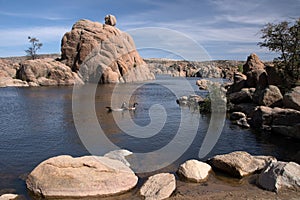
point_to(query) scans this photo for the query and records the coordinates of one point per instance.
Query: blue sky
(225, 29)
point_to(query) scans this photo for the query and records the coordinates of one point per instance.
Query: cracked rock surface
(65, 176)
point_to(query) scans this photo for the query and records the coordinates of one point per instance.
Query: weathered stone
(240, 163)
(292, 99)
(192, 100)
(243, 96)
(8, 72)
(103, 54)
(278, 120)
(65, 176)
(237, 115)
(270, 96)
(119, 155)
(288, 117)
(247, 108)
(292, 131)
(261, 118)
(286, 122)
(280, 175)
(159, 186)
(194, 171)
(274, 77)
(253, 63)
(11, 82)
(239, 82)
(47, 72)
(242, 122)
(256, 77)
(8, 196)
(110, 20)
(202, 84)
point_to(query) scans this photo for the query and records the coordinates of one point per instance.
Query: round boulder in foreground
(194, 171)
(65, 176)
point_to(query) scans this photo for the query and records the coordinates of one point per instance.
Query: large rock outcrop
(47, 72)
(103, 54)
(253, 69)
(281, 121)
(8, 71)
(65, 176)
(240, 163)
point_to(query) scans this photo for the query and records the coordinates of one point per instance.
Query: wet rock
(280, 175)
(192, 100)
(237, 115)
(292, 99)
(65, 176)
(261, 118)
(278, 120)
(286, 122)
(194, 171)
(159, 186)
(11, 82)
(8, 197)
(119, 155)
(242, 122)
(240, 163)
(247, 108)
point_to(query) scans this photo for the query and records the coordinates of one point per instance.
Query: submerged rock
(280, 175)
(240, 163)
(194, 171)
(8, 197)
(65, 176)
(191, 100)
(159, 186)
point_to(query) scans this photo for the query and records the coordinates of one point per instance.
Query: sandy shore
(217, 187)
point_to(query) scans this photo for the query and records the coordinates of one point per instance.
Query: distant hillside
(17, 59)
(204, 69)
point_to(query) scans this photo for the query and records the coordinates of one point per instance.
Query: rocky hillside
(257, 96)
(207, 69)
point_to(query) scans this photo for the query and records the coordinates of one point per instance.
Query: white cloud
(51, 17)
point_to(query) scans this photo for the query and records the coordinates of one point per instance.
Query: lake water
(37, 123)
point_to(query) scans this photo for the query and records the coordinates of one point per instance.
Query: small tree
(35, 45)
(284, 38)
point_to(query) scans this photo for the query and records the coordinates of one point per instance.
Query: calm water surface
(37, 123)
